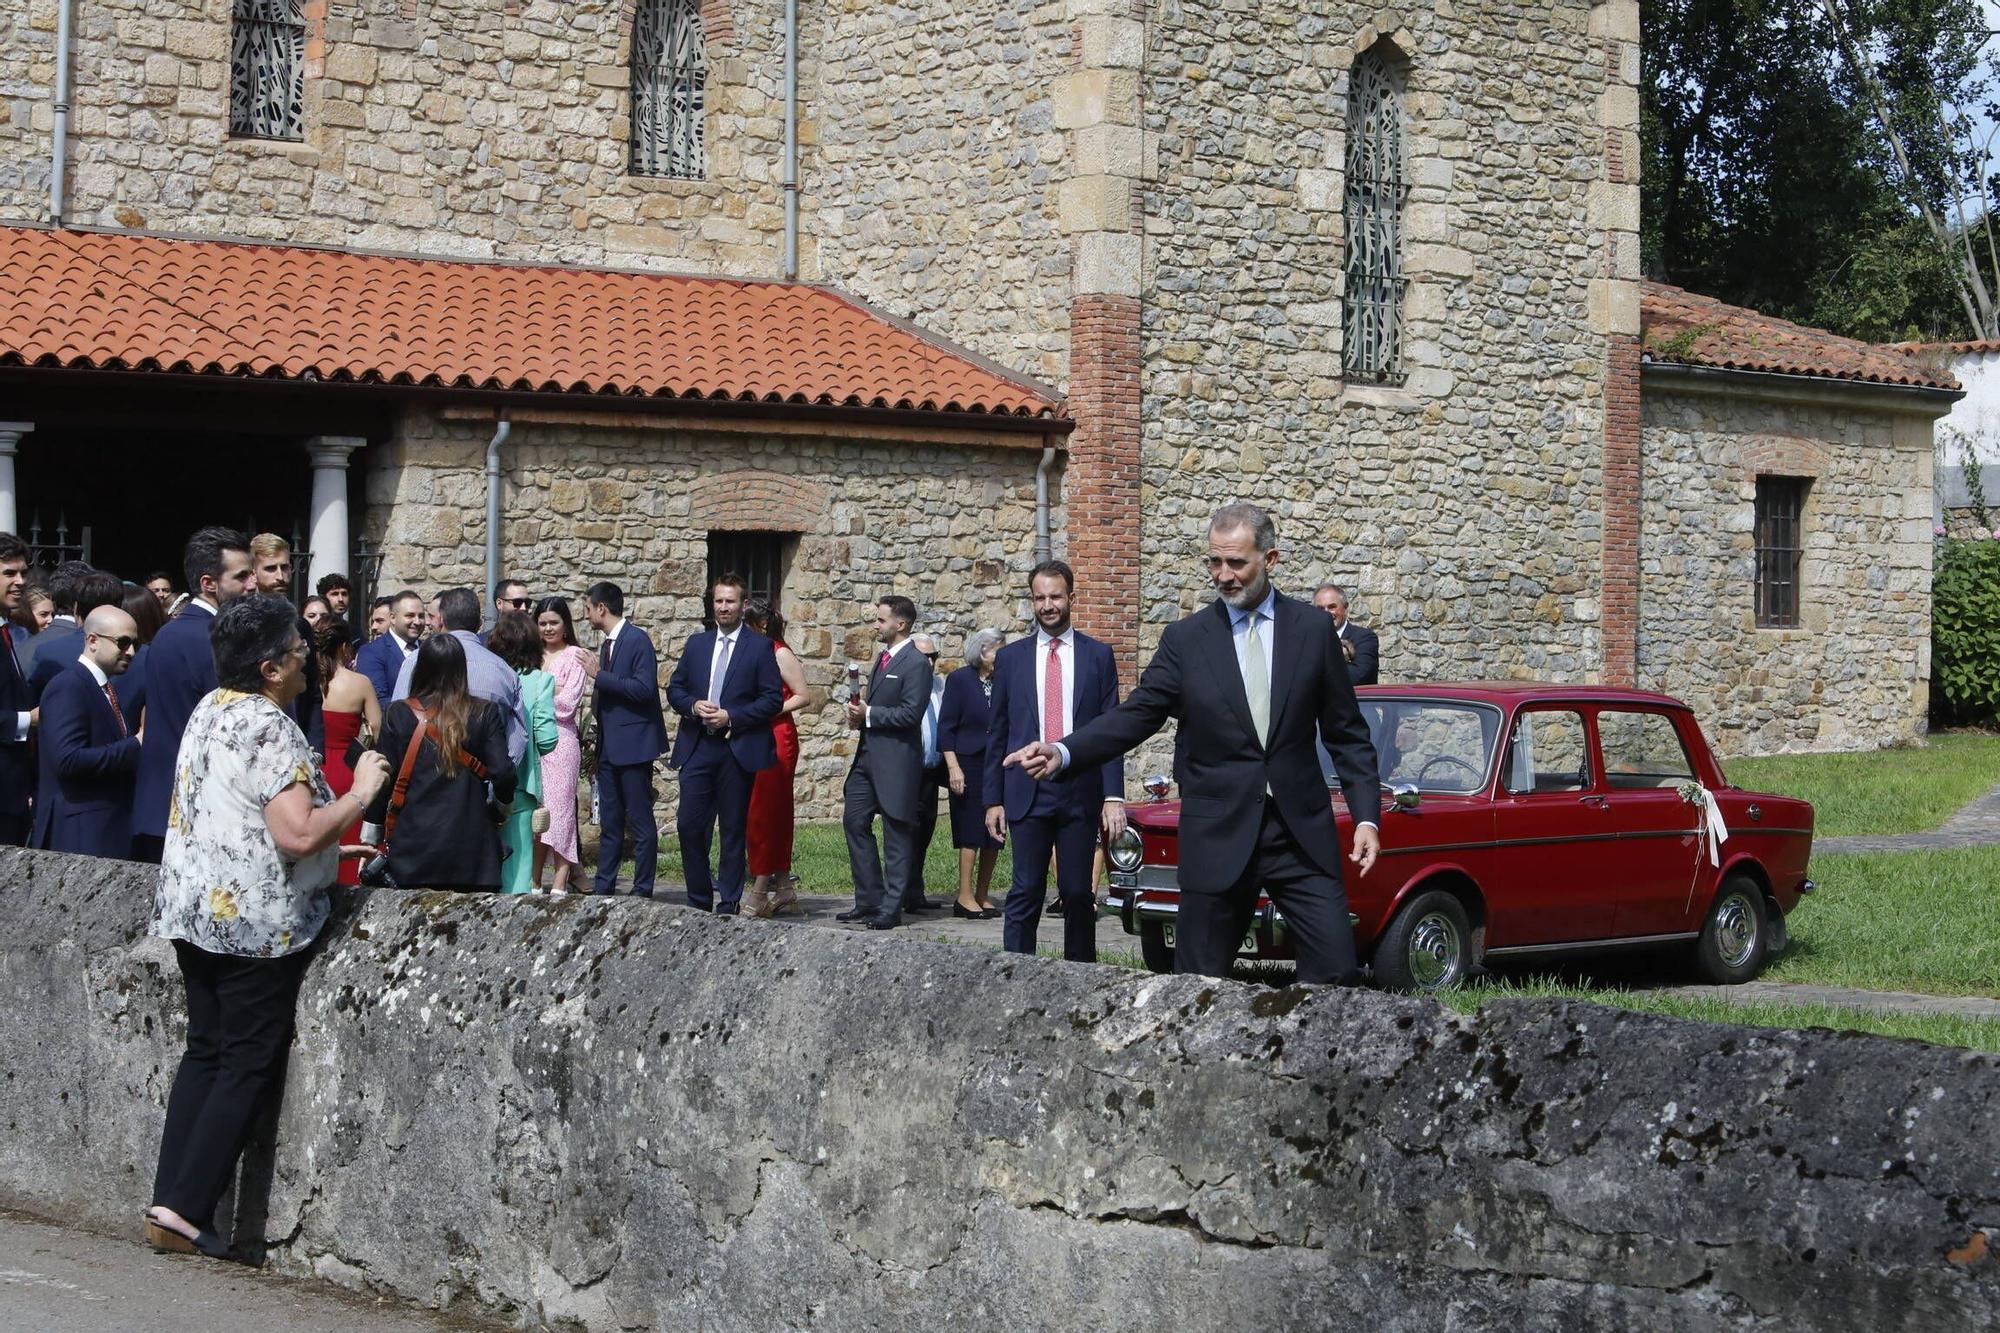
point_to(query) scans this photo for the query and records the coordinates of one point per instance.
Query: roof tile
(1685, 328)
(115, 301)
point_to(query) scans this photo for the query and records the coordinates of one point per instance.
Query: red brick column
(1101, 483)
(1619, 614)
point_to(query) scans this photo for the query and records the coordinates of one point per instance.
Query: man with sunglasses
(89, 752)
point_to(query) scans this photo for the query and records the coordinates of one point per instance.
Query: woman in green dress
(515, 642)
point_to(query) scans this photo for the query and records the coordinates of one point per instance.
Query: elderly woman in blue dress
(962, 719)
(252, 846)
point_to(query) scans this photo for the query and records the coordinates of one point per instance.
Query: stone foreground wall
(617, 1114)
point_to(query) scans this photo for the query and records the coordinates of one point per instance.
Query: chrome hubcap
(1434, 951)
(1735, 930)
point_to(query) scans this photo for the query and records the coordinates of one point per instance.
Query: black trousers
(920, 845)
(874, 894)
(714, 790)
(14, 830)
(1211, 925)
(240, 1015)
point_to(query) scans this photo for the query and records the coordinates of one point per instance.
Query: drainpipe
(500, 434)
(1043, 551)
(791, 140)
(59, 150)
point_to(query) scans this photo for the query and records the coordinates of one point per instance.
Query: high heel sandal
(169, 1241)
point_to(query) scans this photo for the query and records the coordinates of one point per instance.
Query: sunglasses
(518, 603)
(126, 643)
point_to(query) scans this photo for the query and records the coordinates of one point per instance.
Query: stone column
(10, 440)
(331, 549)
(1614, 313)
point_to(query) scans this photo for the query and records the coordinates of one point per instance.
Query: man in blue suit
(1044, 687)
(631, 735)
(726, 690)
(180, 672)
(89, 756)
(17, 704)
(381, 659)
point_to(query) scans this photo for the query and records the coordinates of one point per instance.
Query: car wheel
(1736, 935)
(1153, 946)
(1427, 947)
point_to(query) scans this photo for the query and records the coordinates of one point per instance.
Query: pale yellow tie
(1257, 680)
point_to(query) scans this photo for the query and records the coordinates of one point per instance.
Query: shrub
(1965, 629)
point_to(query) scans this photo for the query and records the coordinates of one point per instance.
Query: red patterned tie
(883, 660)
(111, 695)
(1052, 695)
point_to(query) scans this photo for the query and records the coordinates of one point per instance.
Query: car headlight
(1126, 851)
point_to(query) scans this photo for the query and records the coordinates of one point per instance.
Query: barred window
(669, 77)
(1781, 504)
(1376, 189)
(267, 69)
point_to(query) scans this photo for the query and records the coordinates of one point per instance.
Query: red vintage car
(1522, 820)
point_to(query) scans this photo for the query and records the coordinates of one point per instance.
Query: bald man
(89, 756)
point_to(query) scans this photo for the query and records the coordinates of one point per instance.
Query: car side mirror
(1406, 796)
(1157, 785)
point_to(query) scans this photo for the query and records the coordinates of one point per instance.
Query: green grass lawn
(1879, 791)
(819, 858)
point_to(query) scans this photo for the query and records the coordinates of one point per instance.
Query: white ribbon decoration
(1709, 827)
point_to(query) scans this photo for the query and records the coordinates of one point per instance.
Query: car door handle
(1597, 801)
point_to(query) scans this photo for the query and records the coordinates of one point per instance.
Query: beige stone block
(1618, 107)
(352, 64)
(1614, 306)
(1614, 207)
(606, 76)
(1095, 203)
(198, 41)
(1113, 43)
(1110, 150)
(343, 115)
(1083, 9)
(1439, 261)
(1081, 99)
(1617, 19)
(1109, 264)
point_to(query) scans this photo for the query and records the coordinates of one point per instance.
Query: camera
(375, 872)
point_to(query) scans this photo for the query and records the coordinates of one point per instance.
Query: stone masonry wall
(1463, 509)
(951, 526)
(1855, 673)
(585, 1113)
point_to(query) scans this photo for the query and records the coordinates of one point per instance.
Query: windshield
(1434, 745)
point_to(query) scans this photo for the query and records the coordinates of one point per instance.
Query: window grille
(1376, 189)
(1781, 503)
(267, 70)
(669, 77)
(758, 558)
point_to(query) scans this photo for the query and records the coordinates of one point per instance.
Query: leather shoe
(642, 893)
(969, 913)
(882, 923)
(855, 915)
(924, 906)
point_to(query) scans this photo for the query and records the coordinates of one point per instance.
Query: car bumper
(1152, 893)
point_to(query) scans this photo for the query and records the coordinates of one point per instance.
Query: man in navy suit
(381, 659)
(1044, 687)
(726, 690)
(62, 638)
(56, 648)
(180, 672)
(631, 734)
(1361, 646)
(17, 704)
(89, 756)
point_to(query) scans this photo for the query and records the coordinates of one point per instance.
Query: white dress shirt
(610, 640)
(96, 671)
(868, 713)
(1067, 658)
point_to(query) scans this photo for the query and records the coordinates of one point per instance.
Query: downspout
(791, 140)
(59, 147)
(1042, 547)
(500, 434)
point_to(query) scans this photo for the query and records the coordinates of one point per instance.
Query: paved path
(1977, 824)
(942, 925)
(54, 1280)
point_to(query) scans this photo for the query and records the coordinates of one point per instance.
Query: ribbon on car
(1709, 829)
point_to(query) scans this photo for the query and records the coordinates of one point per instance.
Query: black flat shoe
(990, 914)
(968, 913)
(855, 915)
(169, 1241)
(879, 924)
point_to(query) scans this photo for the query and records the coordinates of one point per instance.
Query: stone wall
(1855, 673)
(612, 1114)
(950, 525)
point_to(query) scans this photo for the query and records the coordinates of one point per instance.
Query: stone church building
(893, 297)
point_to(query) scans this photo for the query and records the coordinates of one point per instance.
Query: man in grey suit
(888, 771)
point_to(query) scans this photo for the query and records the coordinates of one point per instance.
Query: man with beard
(1249, 677)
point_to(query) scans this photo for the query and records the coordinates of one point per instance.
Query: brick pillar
(1101, 484)
(1619, 615)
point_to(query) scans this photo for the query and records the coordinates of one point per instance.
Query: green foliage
(1965, 627)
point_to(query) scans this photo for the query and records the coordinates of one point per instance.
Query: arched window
(267, 69)
(1376, 189)
(669, 74)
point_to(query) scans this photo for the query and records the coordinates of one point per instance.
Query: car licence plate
(1249, 944)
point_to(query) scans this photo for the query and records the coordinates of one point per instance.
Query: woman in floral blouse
(250, 851)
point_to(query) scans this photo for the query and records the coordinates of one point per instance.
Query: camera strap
(401, 790)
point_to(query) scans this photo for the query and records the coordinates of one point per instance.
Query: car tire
(1427, 947)
(1153, 946)
(1736, 935)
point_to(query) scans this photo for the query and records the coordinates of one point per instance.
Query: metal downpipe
(791, 140)
(1043, 549)
(500, 434)
(59, 139)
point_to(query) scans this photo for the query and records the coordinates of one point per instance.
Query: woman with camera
(250, 851)
(453, 781)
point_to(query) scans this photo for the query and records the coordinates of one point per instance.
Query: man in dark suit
(381, 659)
(1359, 644)
(57, 647)
(887, 775)
(1249, 677)
(1045, 687)
(727, 691)
(936, 781)
(631, 735)
(17, 704)
(89, 756)
(62, 638)
(180, 671)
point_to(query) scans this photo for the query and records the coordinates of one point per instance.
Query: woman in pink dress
(563, 659)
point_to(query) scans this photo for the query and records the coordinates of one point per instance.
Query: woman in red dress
(350, 711)
(770, 830)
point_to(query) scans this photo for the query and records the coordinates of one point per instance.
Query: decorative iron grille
(758, 558)
(1376, 189)
(267, 70)
(669, 80)
(1781, 503)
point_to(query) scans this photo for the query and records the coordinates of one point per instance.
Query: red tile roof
(1679, 327)
(124, 302)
